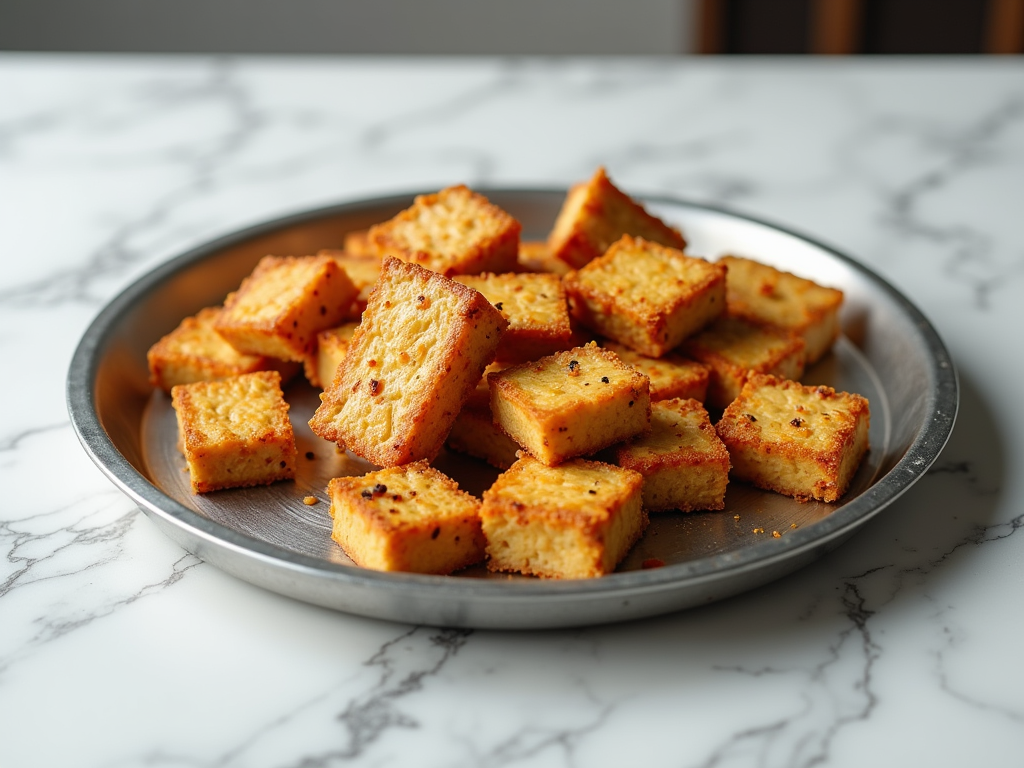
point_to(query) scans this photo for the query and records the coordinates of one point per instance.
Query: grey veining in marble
(119, 649)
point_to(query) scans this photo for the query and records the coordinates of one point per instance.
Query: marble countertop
(117, 648)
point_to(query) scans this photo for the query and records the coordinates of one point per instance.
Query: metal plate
(889, 353)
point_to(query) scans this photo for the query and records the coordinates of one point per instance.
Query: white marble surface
(117, 648)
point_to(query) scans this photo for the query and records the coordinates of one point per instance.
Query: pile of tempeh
(579, 366)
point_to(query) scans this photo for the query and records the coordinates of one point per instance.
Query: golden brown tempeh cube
(474, 431)
(409, 518)
(732, 348)
(646, 296)
(475, 434)
(571, 403)
(195, 352)
(535, 256)
(796, 440)
(574, 521)
(358, 243)
(331, 347)
(671, 375)
(762, 294)
(595, 214)
(684, 463)
(454, 232)
(363, 269)
(283, 304)
(235, 432)
(481, 394)
(419, 351)
(536, 309)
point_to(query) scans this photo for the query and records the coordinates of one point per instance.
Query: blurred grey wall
(509, 27)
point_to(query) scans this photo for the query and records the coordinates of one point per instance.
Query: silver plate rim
(941, 406)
